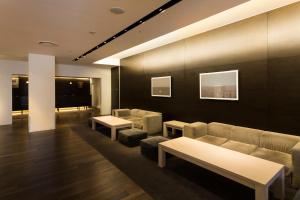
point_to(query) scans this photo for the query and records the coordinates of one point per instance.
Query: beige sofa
(276, 147)
(149, 121)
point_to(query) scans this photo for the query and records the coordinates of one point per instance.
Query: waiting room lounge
(150, 99)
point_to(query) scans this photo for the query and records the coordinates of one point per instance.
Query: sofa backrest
(141, 113)
(219, 129)
(246, 135)
(278, 141)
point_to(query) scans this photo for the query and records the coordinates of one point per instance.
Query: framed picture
(219, 85)
(161, 86)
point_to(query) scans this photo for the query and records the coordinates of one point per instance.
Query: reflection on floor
(58, 165)
(75, 162)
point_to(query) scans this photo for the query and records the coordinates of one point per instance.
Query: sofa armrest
(296, 165)
(122, 112)
(195, 130)
(152, 123)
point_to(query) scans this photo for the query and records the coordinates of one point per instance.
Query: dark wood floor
(58, 165)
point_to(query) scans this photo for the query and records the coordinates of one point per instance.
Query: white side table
(174, 125)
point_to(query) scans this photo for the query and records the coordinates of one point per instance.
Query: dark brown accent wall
(262, 49)
(115, 87)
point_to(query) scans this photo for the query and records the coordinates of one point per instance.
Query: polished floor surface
(75, 162)
(58, 165)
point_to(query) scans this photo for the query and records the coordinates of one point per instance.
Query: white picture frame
(161, 86)
(223, 85)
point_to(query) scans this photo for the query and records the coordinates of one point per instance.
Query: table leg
(279, 187)
(261, 192)
(93, 124)
(113, 133)
(161, 157)
(165, 130)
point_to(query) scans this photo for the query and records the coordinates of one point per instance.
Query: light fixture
(70, 83)
(117, 10)
(27, 82)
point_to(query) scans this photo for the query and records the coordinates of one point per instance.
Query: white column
(5, 97)
(41, 92)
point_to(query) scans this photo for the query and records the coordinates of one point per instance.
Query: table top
(112, 120)
(175, 123)
(248, 167)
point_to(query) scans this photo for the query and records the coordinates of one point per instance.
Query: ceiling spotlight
(47, 43)
(27, 82)
(114, 37)
(104, 42)
(125, 30)
(117, 10)
(141, 21)
(70, 83)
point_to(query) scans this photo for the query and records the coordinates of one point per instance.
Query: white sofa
(276, 147)
(149, 121)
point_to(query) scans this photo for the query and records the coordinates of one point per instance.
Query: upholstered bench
(149, 146)
(131, 137)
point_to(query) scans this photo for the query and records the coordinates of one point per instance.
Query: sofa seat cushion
(239, 146)
(275, 156)
(212, 139)
(138, 124)
(137, 121)
(132, 118)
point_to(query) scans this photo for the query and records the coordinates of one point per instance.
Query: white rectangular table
(250, 171)
(174, 125)
(113, 123)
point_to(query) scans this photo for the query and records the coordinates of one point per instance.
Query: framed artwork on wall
(219, 85)
(161, 86)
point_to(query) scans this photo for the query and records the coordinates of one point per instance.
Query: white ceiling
(68, 23)
(229, 16)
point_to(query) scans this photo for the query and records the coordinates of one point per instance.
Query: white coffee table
(248, 170)
(113, 123)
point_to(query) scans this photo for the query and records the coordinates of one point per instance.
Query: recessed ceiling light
(47, 44)
(117, 10)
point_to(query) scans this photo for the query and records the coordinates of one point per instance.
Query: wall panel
(263, 48)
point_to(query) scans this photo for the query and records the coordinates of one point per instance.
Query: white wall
(41, 92)
(9, 67)
(96, 92)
